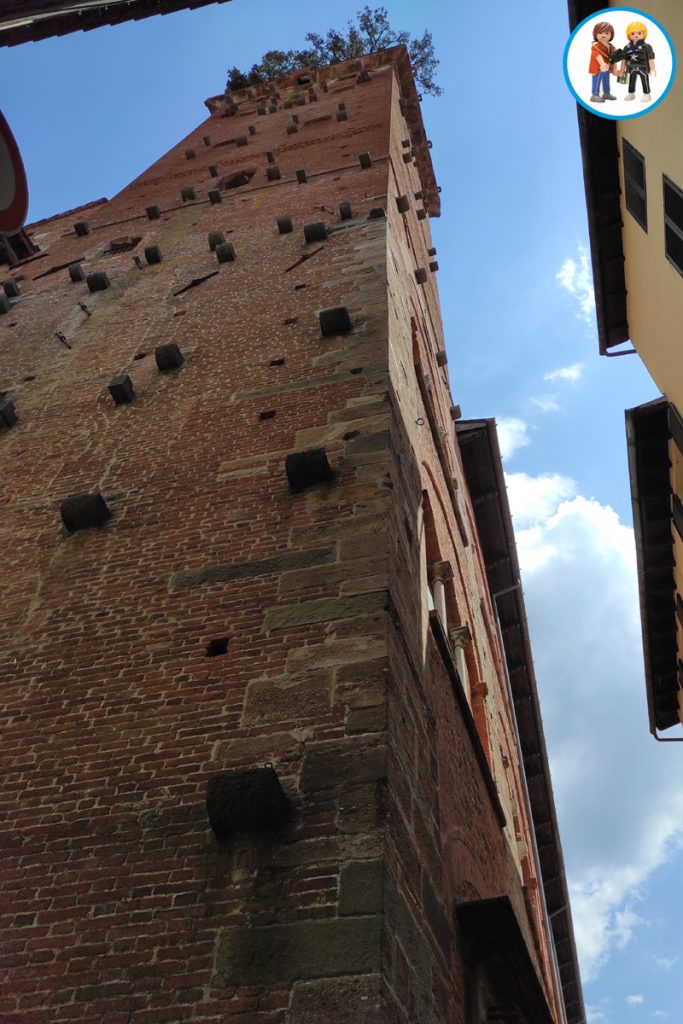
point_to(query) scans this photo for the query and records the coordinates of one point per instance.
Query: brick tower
(271, 751)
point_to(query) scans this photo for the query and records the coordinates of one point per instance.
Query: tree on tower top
(369, 32)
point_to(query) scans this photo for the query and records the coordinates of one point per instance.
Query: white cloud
(665, 963)
(635, 1000)
(512, 434)
(577, 279)
(533, 499)
(661, 1014)
(619, 804)
(571, 373)
(546, 403)
(595, 1015)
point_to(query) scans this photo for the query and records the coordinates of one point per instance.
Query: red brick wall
(118, 903)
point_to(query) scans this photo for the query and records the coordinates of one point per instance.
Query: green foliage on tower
(369, 32)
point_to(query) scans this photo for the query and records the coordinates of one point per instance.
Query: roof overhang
(478, 443)
(600, 157)
(649, 430)
(32, 20)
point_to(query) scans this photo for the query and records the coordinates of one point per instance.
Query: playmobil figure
(599, 67)
(638, 60)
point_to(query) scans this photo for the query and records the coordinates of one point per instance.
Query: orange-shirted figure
(599, 67)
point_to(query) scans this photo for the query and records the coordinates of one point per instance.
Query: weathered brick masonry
(119, 696)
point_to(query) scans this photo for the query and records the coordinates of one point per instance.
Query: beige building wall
(654, 286)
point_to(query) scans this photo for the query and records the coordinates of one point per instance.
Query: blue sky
(90, 112)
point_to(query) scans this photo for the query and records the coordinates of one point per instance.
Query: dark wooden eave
(600, 157)
(24, 21)
(648, 430)
(478, 442)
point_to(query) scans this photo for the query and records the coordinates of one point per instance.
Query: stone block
(377, 213)
(324, 609)
(345, 211)
(213, 170)
(362, 684)
(84, 511)
(420, 275)
(359, 808)
(215, 238)
(369, 442)
(285, 225)
(315, 232)
(252, 129)
(335, 320)
(76, 272)
(287, 698)
(354, 1000)
(403, 204)
(190, 154)
(152, 254)
(301, 177)
(364, 160)
(258, 956)
(82, 228)
(329, 765)
(270, 157)
(228, 572)
(432, 251)
(273, 172)
(360, 888)
(206, 139)
(97, 281)
(225, 252)
(441, 358)
(121, 389)
(436, 916)
(11, 288)
(153, 212)
(433, 266)
(168, 357)
(421, 214)
(215, 196)
(366, 720)
(456, 412)
(242, 140)
(187, 193)
(251, 800)
(292, 128)
(342, 115)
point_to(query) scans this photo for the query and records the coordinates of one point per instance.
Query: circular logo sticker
(619, 63)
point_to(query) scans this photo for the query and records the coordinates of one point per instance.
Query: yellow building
(633, 171)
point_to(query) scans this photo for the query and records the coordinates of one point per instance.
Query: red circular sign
(13, 187)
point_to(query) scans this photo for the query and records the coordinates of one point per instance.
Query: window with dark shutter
(634, 183)
(673, 224)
